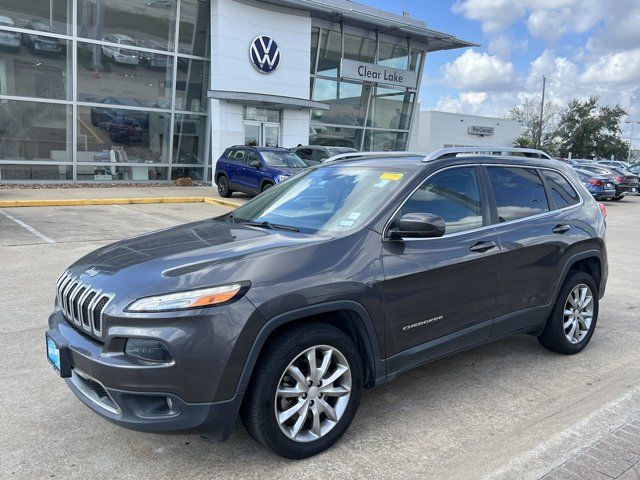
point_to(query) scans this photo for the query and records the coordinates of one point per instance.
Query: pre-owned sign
(369, 72)
(481, 131)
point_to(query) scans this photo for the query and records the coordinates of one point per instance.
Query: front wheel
(574, 316)
(305, 391)
(266, 186)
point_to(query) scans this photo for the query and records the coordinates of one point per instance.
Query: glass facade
(362, 115)
(104, 90)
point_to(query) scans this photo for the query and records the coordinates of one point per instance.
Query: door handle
(564, 228)
(482, 246)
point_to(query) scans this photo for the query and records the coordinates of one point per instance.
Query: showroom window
(121, 95)
(362, 115)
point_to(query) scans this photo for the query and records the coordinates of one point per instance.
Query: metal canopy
(369, 18)
(263, 100)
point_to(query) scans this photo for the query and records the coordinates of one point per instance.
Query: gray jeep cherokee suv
(340, 278)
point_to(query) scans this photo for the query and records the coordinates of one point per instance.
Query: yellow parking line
(114, 201)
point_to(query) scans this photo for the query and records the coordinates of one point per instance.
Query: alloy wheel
(313, 393)
(578, 313)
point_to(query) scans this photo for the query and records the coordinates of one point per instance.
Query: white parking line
(28, 227)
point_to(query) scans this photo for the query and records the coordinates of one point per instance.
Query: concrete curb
(114, 201)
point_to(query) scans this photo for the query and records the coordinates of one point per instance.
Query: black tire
(223, 187)
(259, 409)
(553, 336)
(266, 186)
(617, 199)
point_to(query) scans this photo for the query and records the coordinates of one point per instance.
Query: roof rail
(342, 156)
(488, 150)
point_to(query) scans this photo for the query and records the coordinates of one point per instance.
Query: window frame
(489, 208)
(484, 198)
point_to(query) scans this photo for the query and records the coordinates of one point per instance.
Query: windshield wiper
(272, 226)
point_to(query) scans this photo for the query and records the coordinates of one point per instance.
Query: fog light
(147, 350)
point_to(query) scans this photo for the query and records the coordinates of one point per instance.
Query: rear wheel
(223, 187)
(618, 198)
(305, 391)
(266, 186)
(573, 318)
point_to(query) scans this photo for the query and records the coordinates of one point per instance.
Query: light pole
(633, 126)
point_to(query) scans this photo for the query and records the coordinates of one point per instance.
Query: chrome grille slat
(82, 305)
(65, 296)
(81, 300)
(63, 283)
(70, 296)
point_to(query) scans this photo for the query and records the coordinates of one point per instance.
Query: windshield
(283, 159)
(332, 199)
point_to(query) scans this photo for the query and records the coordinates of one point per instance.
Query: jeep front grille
(81, 304)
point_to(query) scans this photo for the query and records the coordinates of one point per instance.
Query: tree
(591, 131)
(528, 113)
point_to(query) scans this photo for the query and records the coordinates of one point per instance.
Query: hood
(286, 170)
(173, 254)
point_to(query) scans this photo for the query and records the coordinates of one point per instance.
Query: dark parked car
(315, 154)
(626, 183)
(254, 169)
(101, 116)
(124, 130)
(339, 279)
(600, 186)
(154, 60)
(615, 163)
(41, 43)
(9, 39)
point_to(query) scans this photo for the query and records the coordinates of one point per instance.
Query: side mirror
(255, 164)
(419, 225)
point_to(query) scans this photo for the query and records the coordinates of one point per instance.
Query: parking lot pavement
(510, 409)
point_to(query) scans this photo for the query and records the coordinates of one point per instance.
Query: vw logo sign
(265, 54)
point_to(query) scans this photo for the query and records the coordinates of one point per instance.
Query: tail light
(619, 180)
(603, 209)
(596, 183)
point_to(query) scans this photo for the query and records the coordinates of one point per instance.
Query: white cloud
(620, 29)
(614, 69)
(546, 19)
(615, 78)
(495, 15)
(479, 71)
(503, 46)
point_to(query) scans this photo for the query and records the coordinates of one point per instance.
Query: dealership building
(432, 130)
(154, 90)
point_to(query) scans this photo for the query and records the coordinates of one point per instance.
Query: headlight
(281, 178)
(205, 297)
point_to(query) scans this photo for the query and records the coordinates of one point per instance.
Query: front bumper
(195, 392)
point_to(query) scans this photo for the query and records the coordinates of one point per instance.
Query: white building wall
(433, 130)
(234, 25)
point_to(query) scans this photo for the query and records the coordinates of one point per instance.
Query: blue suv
(254, 169)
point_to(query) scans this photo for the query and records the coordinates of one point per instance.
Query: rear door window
(561, 190)
(519, 192)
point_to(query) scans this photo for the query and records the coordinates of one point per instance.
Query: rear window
(519, 192)
(561, 190)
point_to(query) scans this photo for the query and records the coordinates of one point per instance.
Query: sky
(584, 47)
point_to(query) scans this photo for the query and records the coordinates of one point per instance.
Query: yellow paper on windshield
(391, 176)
